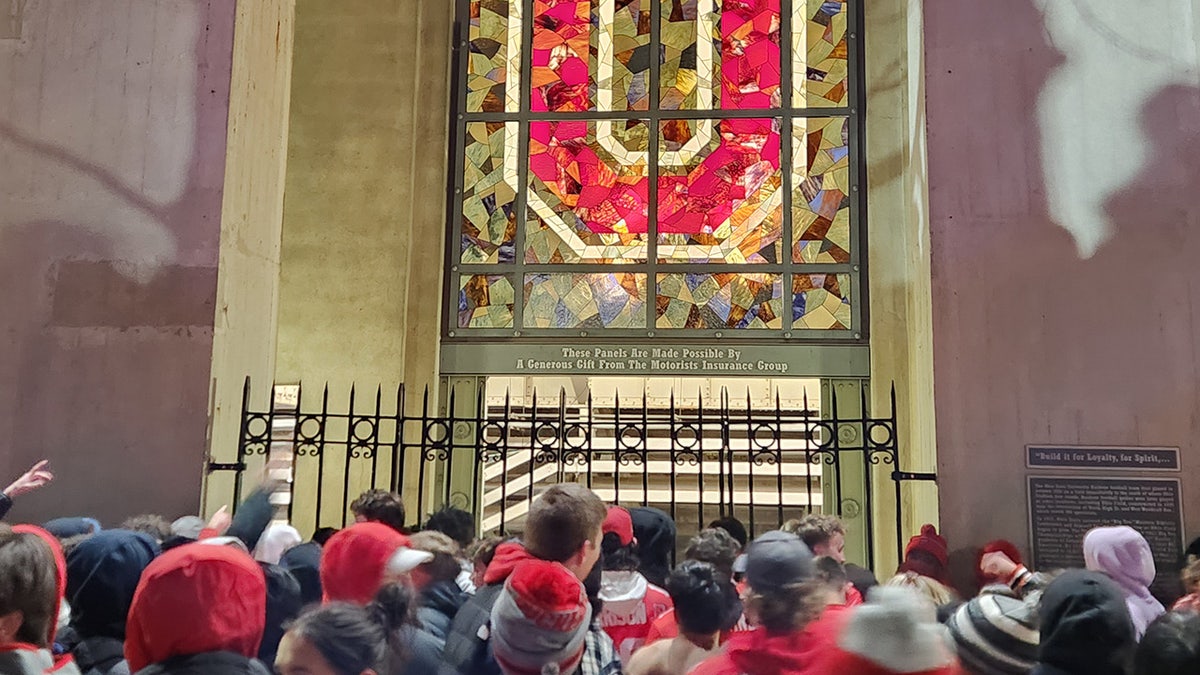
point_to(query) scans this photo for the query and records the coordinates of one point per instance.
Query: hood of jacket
(444, 597)
(102, 574)
(354, 561)
(508, 555)
(760, 653)
(1085, 626)
(65, 528)
(211, 663)
(304, 562)
(196, 599)
(655, 533)
(100, 655)
(283, 604)
(1123, 554)
(622, 590)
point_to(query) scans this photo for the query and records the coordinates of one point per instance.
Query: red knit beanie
(927, 555)
(540, 620)
(995, 546)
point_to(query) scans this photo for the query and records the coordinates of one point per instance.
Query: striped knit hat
(996, 634)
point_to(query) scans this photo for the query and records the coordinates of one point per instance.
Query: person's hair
(930, 589)
(29, 585)
(70, 543)
(457, 524)
(1171, 646)
(323, 534)
(482, 551)
(830, 573)
(444, 566)
(154, 525)
(700, 594)
(1190, 574)
(816, 529)
(716, 546)
(353, 638)
(787, 609)
(734, 527)
(618, 558)
(562, 520)
(380, 506)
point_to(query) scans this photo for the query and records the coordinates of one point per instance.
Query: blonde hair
(930, 589)
(1190, 574)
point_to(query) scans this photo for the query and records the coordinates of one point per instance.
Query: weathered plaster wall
(1065, 233)
(112, 155)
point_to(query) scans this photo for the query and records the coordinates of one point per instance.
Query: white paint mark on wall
(1118, 56)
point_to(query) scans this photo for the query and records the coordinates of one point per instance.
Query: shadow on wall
(111, 166)
(1064, 234)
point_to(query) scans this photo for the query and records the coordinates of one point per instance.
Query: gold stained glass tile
(489, 219)
(821, 204)
(718, 301)
(820, 53)
(606, 300)
(821, 302)
(494, 59)
(485, 301)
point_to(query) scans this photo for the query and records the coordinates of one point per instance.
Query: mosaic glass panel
(494, 56)
(562, 34)
(750, 69)
(690, 34)
(821, 190)
(615, 300)
(587, 201)
(820, 77)
(719, 196)
(489, 219)
(485, 301)
(622, 54)
(821, 301)
(716, 301)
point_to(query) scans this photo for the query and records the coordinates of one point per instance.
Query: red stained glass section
(561, 40)
(705, 198)
(750, 61)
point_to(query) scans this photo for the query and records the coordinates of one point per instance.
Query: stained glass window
(657, 167)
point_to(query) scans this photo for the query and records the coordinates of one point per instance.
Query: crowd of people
(587, 588)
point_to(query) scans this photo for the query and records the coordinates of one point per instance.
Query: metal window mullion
(653, 105)
(786, 63)
(523, 131)
(458, 158)
(856, 71)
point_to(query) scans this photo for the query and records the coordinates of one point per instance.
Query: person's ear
(10, 624)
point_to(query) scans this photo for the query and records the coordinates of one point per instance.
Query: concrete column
(899, 255)
(251, 221)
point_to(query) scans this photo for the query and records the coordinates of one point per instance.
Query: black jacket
(209, 663)
(1085, 627)
(304, 562)
(440, 603)
(101, 656)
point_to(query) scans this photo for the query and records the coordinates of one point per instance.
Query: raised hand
(221, 520)
(31, 480)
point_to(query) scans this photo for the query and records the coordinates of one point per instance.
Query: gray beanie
(540, 620)
(996, 634)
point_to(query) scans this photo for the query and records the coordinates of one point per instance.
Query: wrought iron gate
(695, 462)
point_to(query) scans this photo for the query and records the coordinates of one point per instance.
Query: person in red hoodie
(33, 580)
(198, 610)
(895, 632)
(782, 599)
(631, 603)
(358, 560)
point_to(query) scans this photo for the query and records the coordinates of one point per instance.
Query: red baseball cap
(619, 522)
